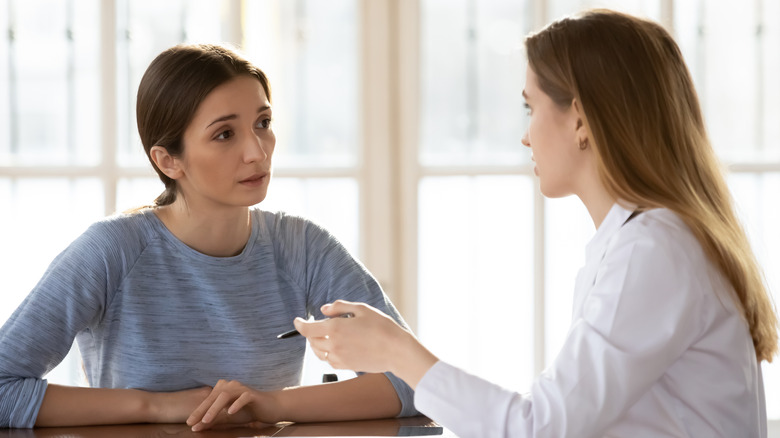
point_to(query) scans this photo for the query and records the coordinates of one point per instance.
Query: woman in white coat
(671, 315)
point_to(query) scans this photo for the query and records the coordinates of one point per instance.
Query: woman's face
(226, 160)
(553, 138)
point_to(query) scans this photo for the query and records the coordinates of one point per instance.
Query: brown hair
(172, 88)
(648, 134)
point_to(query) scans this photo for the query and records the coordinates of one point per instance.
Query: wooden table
(413, 426)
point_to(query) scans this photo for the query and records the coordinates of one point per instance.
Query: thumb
(340, 307)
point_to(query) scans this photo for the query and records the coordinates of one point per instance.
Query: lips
(254, 180)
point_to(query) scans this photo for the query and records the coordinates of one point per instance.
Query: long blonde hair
(648, 134)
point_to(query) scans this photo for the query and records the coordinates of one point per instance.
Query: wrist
(153, 406)
(143, 407)
(411, 360)
(170, 407)
(279, 406)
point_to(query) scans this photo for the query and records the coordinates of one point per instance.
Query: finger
(242, 401)
(340, 307)
(311, 329)
(303, 327)
(197, 415)
(320, 347)
(219, 404)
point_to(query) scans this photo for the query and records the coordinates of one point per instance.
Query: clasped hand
(232, 402)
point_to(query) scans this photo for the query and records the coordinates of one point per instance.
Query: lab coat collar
(609, 226)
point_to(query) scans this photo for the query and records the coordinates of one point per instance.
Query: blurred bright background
(398, 126)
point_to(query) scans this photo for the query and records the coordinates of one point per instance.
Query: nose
(258, 148)
(525, 139)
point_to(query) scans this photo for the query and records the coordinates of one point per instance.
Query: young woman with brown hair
(188, 294)
(671, 316)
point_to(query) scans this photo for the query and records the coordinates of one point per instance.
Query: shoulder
(101, 255)
(119, 233)
(658, 248)
(281, 225)
(659, 231)
(123, 226)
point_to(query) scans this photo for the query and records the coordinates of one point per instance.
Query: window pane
(330, 202)
(756, 198)
(309, 50)
(643, 8)
(137, 192)
(33, 231)
(5, 96)
(735, 73)
(476, 274)
(768, 95)
(568, 228)
(48, 83)
(472, 78)
(146, 28)
(30, 234)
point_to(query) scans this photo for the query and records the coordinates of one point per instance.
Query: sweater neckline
(189, 252)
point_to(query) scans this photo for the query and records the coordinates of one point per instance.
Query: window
(399, 126)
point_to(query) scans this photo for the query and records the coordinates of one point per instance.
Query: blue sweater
(151, 313)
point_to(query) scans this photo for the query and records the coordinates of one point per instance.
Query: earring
(584, 143)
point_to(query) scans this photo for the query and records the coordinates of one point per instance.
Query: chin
(552, 192)
(258, 198)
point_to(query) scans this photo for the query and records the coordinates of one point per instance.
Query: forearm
(364, 397)
(73, 406)
(70, 406)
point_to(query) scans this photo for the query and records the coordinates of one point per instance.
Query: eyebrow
(235, 116)
(525, 96)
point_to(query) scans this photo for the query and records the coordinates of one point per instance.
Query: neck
(214, 232)
(598, 202)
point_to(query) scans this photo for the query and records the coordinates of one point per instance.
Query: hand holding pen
(293, 333)
(372, 342)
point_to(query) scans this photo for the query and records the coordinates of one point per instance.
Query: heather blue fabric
(150, 313)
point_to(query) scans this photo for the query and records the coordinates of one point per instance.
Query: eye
(224, 135)
(527, 109)
(264, 123)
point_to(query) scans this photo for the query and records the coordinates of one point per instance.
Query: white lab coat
(656, 348)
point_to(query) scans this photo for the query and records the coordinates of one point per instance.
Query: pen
(292, 333)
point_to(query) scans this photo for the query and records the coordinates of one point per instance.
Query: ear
(581, 129)
(167, 163)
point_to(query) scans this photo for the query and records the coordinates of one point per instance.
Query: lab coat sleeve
(471, 406)
(639, 316)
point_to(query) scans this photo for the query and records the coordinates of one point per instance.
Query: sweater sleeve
(327, 272)
(70, 297)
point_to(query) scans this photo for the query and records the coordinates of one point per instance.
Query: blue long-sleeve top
(150, 313)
